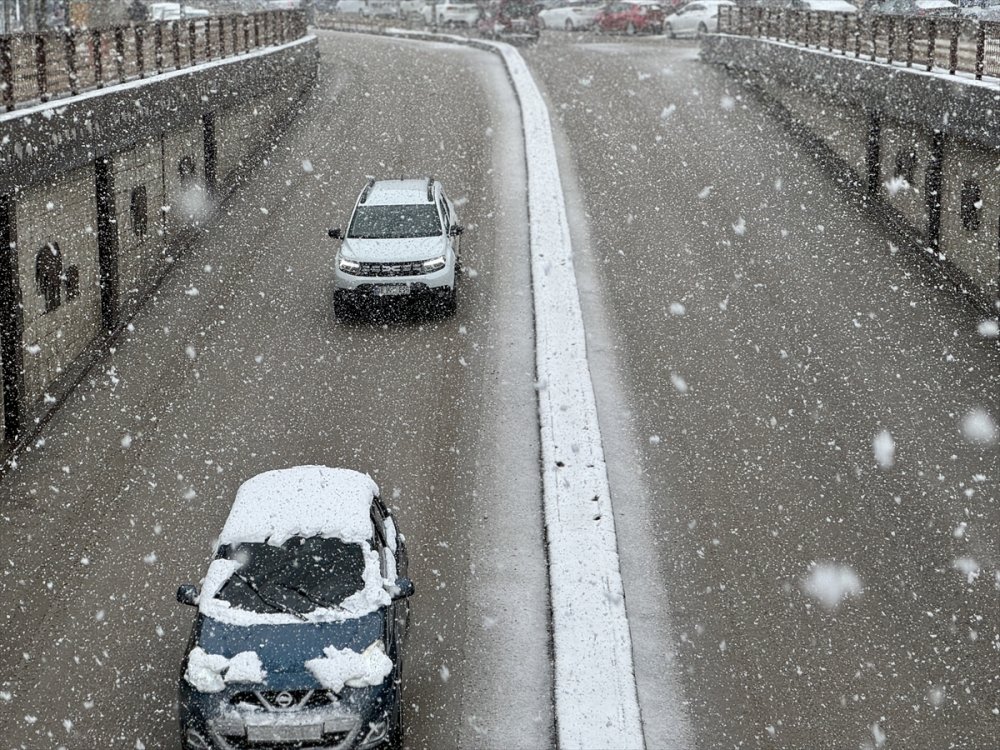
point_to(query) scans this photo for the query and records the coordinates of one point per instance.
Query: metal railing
(38, 67)
(945, 43)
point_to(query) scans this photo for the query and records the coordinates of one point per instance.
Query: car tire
(702, 30)
(448, 304)
(630, 29)
(344, 310)
(396, 731)
(569, 25)
(669, 31)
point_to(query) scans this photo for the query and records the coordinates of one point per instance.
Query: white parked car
(825, 6)
(402, 243)
(695, 19)
(174, 11)
(411, 8)
(349, 6)
(381, 9)
(451, 14)
(571, 16)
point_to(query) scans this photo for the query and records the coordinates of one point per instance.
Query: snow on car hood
(340, 667)
(404, 250)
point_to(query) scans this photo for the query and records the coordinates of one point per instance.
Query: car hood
(391, 251)
(283, 650)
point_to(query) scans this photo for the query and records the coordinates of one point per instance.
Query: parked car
(451, 14)
(814, 6)
(571, 16)
(631, 16)
(174, 11)
(298, 637)
(695, 19)
(935, 8)
(349, 6)
(507, 18)
(402, 242)
(381, 9)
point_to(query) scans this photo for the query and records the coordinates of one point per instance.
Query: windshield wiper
(278, 606)
(314, 599)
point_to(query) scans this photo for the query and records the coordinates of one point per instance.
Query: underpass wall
(918, 148)
(100, 193)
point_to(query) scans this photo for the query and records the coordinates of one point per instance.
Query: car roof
(397, 192)
(301, 501)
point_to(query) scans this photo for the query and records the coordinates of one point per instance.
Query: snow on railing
(37, 67)
(951, 43)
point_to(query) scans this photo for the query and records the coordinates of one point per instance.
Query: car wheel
(569, 25)
(702, 29)
(448, 303)
(669, 30)
(343, 310)
(630, 29)
(396, 731)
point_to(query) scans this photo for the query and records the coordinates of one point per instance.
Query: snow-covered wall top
(956, 105)
(38, 142)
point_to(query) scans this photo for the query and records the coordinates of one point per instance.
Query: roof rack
(430, 188)
(364, 193)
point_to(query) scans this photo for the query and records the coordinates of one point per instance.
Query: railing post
(953, 51)
(97, 57)
(222, 38)
(246, 32)
(175, 46)
(980, 49)
(857, 38)
(892, 39)
(158, 47)
(192, 42)
(208, 38)
(931, 43)
(140, 50)
(234, 35)
(120, 53)
(7, 72)
(69, 50)
(909, 42)
(874, 35)
(256, 30)
(41, 68)
(829, 31)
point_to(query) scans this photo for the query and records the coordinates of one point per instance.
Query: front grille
(286, 700)
(389, 270)
(330, 740)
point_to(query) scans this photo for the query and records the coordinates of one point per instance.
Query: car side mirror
(456, 230)
(335, 233)
(188, 594)
(404, 589)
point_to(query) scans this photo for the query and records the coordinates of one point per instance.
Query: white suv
(402, 243)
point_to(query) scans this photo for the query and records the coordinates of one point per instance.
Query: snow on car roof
(301, 501)
(397, 192)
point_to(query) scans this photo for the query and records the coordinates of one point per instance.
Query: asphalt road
(238, 367)
(751, 334)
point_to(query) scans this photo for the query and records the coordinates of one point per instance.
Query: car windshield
(394, 222)
(301, 575)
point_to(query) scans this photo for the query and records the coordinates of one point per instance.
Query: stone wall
(920, 148)
(98, 194)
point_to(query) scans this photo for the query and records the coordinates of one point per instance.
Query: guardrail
(38, 67)
(945, 43)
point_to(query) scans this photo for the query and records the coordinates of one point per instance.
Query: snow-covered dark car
(301, 620)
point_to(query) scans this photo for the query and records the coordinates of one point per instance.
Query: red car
(509, 18)
(632, 17)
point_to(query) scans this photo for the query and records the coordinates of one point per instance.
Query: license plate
(285, 733)
(392, 290)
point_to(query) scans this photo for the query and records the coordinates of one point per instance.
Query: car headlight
(435, 264)
(349, 266)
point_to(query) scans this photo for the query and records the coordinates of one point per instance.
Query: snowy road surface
(239, 367)
(796, 425)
